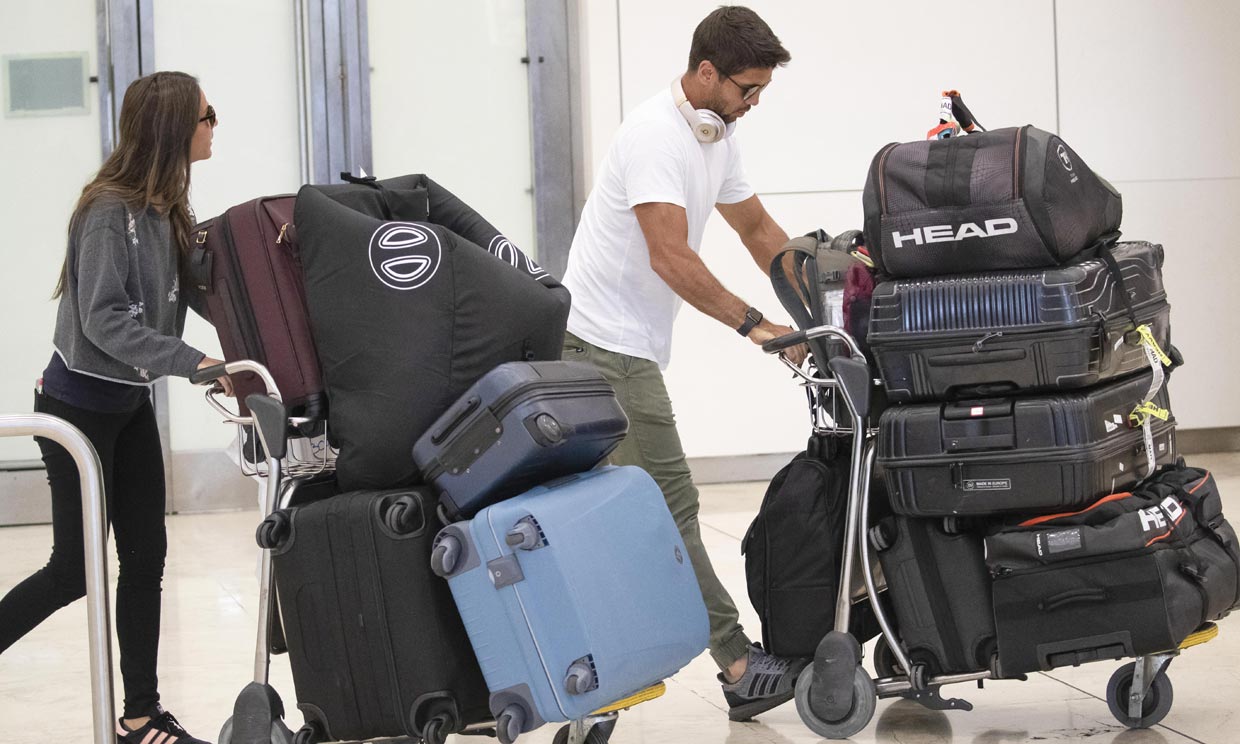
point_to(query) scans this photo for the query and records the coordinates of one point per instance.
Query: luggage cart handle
(796, 338)
(207, 374)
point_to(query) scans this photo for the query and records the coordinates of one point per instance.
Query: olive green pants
(654, 445)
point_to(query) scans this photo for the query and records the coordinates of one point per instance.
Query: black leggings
(133, 476)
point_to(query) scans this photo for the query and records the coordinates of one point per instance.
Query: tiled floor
(208, 640)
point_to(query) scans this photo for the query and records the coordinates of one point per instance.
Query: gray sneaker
(768, 681)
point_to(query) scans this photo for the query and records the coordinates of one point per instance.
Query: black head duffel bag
(1005, 199)
(1133, 574)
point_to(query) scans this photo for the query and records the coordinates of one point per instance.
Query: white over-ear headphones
(707, 126)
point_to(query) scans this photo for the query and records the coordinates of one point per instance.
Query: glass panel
(449, 97)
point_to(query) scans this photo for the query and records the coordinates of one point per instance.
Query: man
(634, 259)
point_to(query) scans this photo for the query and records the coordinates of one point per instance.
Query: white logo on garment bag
(404, 255)
(503, 249)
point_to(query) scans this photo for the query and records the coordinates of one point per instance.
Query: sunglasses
(210, 118)
(748, 92)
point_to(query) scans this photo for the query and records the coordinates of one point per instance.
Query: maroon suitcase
(246, 263)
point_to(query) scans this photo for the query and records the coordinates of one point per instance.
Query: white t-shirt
(619, 303)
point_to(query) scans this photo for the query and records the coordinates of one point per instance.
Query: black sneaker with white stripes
(161, 729)
(768, 681)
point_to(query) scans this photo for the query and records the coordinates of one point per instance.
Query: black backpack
(1009, 198)
(794, 548)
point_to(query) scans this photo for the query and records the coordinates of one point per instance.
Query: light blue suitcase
(574, 594)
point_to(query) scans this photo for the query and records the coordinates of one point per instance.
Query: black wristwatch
(752, 318)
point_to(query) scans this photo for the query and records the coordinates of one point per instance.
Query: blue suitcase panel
(522, 424)
(575, 594)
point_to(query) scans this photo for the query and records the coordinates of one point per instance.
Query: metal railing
(94, 533)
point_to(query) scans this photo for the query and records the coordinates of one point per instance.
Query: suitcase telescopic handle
(471, 404)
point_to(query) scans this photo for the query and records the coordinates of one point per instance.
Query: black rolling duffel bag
(1004, 199)
(1135, 573)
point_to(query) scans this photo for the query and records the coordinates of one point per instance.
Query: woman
(122, 309)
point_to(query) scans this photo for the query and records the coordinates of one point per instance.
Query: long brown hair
(150, 165)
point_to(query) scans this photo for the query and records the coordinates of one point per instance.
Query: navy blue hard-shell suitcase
(522, 424)
(575, 594)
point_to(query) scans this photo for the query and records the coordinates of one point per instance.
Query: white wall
(1146, 93)
(46, 161)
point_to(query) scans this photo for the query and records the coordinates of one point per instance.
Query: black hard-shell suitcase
(940, 589)
(376, 645)
(1029, 454)
(1001, 332)
(522, 424)
(1132, 574)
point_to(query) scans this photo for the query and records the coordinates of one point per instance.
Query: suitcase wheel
(580, 678)
(308, 734)
(509, 723)
(444, 557)
(433, 732)
(404, 516)
(273, 530)
(880, 538)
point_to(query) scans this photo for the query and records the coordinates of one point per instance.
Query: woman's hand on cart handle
(781, 339)
(212, 370)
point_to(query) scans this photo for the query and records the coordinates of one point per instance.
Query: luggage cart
(266, 452)
(835, 695)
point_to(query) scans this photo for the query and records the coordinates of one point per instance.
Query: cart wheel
(885, 664)
(865, 698)
(600, 733)
(279, 733)
(273, 530)
(445, 555)
(1157, 701)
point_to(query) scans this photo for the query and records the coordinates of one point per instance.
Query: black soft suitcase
(1030, 454)
(522, 424)
(375, 642)
(1000, 332)
(1133, 574)
(940, 589)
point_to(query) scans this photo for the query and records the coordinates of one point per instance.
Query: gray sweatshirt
(122, 312)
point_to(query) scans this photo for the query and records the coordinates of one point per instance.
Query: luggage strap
(807, 312)
(1154, 355)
